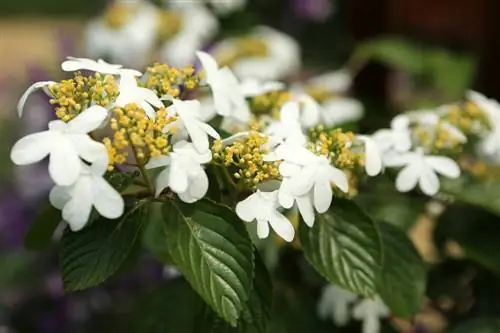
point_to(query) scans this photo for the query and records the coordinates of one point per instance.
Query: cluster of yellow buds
(244, 47)
(70, 97)
(166, 80)
(119, 13)
(245, 156)
(270, 103)
(170, 24)
(342, 148)
(134, 130)
(468, 118)
(442, 138)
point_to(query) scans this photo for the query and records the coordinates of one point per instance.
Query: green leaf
(39, 236)
(480, 325)
(209, 244)
(344, 246)
(403, 280)
(467, 189)
(172, 308)
(155, 236)
(91, 256)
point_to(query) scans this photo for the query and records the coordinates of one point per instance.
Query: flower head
(131, 93)
(72, 64)
(66, 143)
(184, 173)
(263, 208)
(397, 138)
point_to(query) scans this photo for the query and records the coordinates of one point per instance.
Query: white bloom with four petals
(131, 92)
(66, 143)
(422, 170)
(370, 312)
(335, 304)
(263, 208)
(184, 173)
(89, 190)
(72, 64)
(397, 138)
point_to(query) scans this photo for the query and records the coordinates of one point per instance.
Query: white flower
(130, 92)
(132, 42)
(252, 87)
(281, 59)
(228, 98)
(263, 207)
(337, 82)
(180, 49)
(373, 157)
(184, 174)
(72, 64)
(370, 312)
(398, 137)
(44, 85)
(307, 180)
(288, 127)
(421, 169)
(334, 303)
(340, 110)
(89, 190)
(189, 116)
(66, 143)
(490, 144)
(222, 7)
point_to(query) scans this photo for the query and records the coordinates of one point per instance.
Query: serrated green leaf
(172, 308)
(210, 246)
(91, 256)
(403, 279)
(39, 236)
(344, 246)
(480, 325)
(469, 190)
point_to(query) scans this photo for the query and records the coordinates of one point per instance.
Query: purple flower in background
(314, 10)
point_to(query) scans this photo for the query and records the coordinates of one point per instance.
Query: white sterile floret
(228, 97)
(189, 118)
(370, 312)
(340, 110)
(72, 64)
(422, 170)
(263, 208)
(44, 85)
(131, 92)
(252, 87)
(307, 180)
(334, 304)
(490, 144)
(373, 156)
(397, 138)
(66, 143)
(89, 190)
(288, 128)
(184, 173)
(338, 82)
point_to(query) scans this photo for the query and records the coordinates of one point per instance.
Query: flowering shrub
(189, 155)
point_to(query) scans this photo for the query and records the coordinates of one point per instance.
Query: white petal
(107, 201)
(408, 177)
(339, 178)
(444, 165)
(282, 226)
(178, 178)
(89, 120)
(59, 196)
(373, 159)
(77, 211)
(306, 210)
(262, 228)
(90, 150)
(402, 141)
(209, 130)
(371, 325)
(209, 64)
(246, 209)
(162, 181)
(400, 122)
(429, 181)
(285, 196)
(64, 163)
(397, 160)
(33, 148)
(310, 111)
(31, 89)
(150, 97)
(290, 112)
(222, 103)
(158, 161)
(197, 189)
(322, 195)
